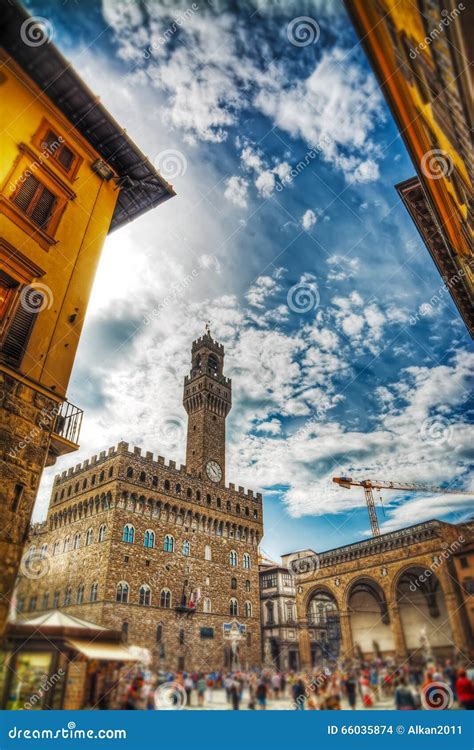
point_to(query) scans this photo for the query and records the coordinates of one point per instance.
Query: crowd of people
(330, 687)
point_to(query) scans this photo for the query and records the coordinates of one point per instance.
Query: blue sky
(346, 354)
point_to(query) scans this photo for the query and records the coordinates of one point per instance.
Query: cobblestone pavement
(219, 703)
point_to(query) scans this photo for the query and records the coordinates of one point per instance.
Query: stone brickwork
(203, 539)
(24, 451)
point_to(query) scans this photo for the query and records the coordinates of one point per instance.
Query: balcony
(65, 432)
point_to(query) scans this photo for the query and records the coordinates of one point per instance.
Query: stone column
(347, 644)
(396, 626)
(455, 612)
(304, 646)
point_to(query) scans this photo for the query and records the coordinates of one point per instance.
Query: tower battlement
(208, 342)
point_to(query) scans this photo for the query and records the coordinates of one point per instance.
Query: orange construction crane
(379, 484)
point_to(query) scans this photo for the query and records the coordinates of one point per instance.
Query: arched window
(167, 485)
(233, 608)
(44, 551)
(206, 605)
(94, 590)
(56, 596)
(159, 633)
(233, 583)
(290, 611)
(144, 595)
(84, 484)
(237, 508)
(66, 544)
(111, 471)
(80, 594)
(270, 613)
(186, 548)
(189, 492)
(154, 481)
(207, 552)
(247, 585)
(102, 531)
(129, 473)
(247, 512)
(89, 536)
(165, 598)
(218, 502)
(31, 552)
(101, 476)
(69, 490)
(169, 543)
(149, 539)
(212, 364)
(198, 496)
(255, 514)
(45, 602)
(67, 596)
(246, 561)
(128, 534)
(32, 604)
(121, 595)
(228, 505)
(178, 489)
(77, 541)
(93, 479)
(233, 558)
(208, 499)
(248, 609)
(55, 548)
(62, 494)
(142, 476)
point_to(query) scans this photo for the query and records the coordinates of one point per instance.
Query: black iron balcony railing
(68, 422)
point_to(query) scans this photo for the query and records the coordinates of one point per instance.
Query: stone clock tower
(207, 400)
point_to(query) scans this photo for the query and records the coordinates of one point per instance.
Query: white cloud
(308, 220)
(236, 191)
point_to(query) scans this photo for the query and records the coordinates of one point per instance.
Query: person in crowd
(465, 690)
(299, 694)
(261, 695)
(404, 698)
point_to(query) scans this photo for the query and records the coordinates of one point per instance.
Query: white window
(233, 608)
(233, 558)
(89, 536)
(144, 596)
(77, 541)
(102, 531)
(207, 552)
(206, 605)
(246, 561)
(121, 595)
(186, 548)
(248, 609)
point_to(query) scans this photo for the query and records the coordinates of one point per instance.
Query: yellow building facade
(68, 175)
(420, 55)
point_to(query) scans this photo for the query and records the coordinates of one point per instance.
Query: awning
(103, 651)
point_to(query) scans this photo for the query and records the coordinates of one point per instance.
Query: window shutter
(26, 192)
(18, 333)
(44, 208)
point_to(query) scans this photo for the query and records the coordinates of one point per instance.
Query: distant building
(280, 642)
(420, 53)
(167, 554)
(69, 174)
(396, 595)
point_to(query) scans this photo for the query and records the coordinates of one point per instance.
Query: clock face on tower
(213, 471)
